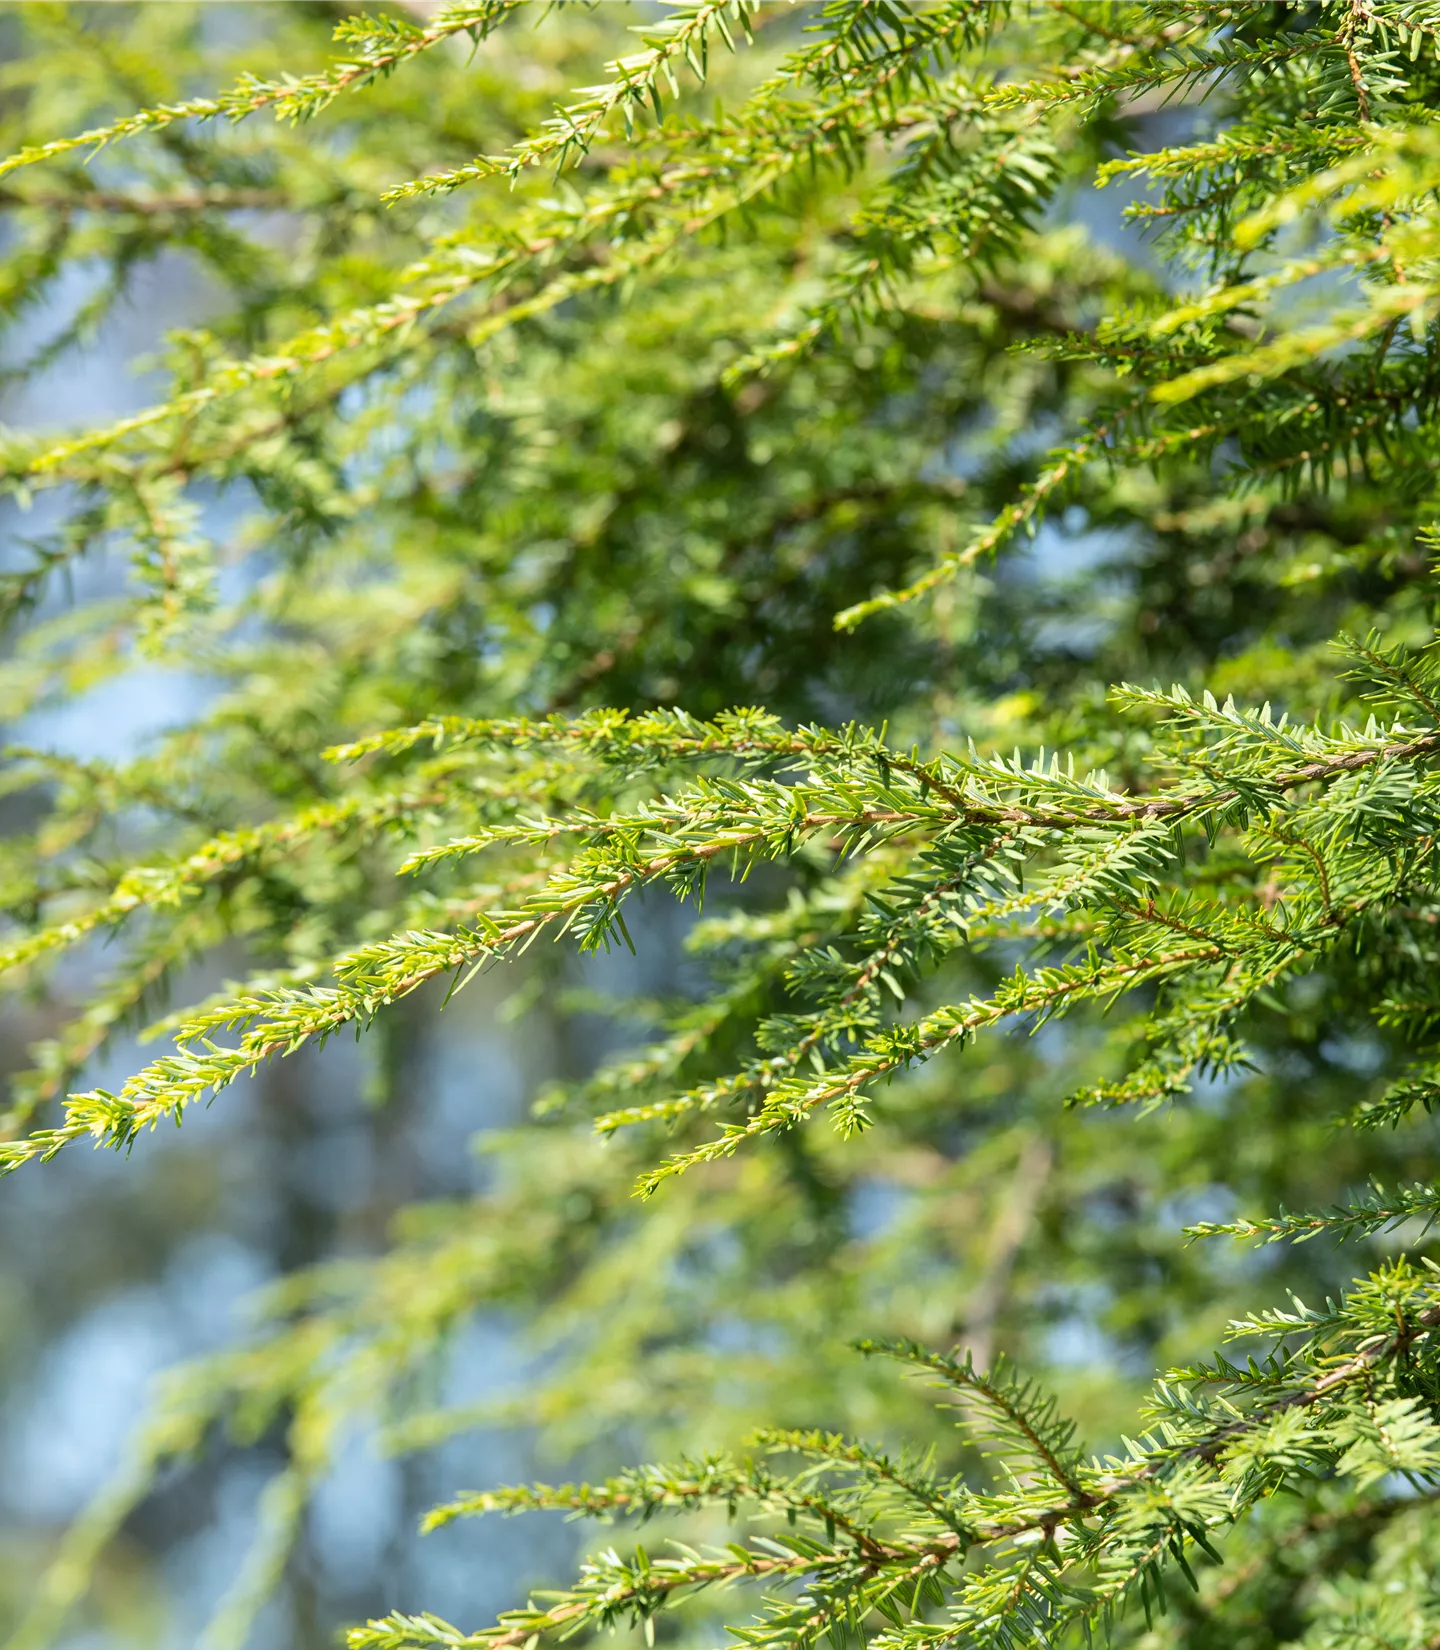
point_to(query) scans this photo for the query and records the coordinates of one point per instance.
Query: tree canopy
(916, 519)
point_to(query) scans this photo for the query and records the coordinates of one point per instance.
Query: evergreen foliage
(555, 414)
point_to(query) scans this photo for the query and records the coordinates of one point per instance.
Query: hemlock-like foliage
(747, 372)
